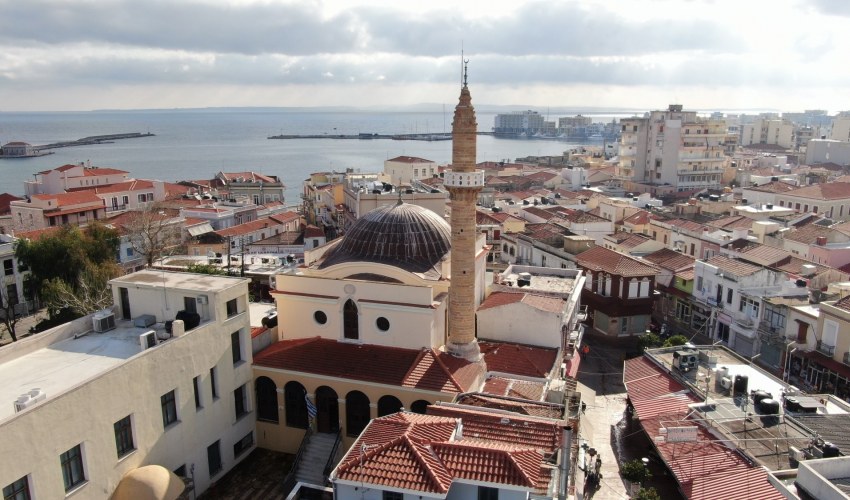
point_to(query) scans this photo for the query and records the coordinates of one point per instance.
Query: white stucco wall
(520, 323)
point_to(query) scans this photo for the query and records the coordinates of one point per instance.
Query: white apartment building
(91, 400)
(14, 278)
(672, 150)
(840, 129)
(76, 176)
(767, 131)
(402, 170)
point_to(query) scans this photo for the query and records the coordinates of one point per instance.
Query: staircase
(311, 466)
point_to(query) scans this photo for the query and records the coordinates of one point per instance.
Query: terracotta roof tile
(809, 233)
(66, 199)
(733, 266)
(670, 259)
(249, 177)
(424, 452)
(515, 388)
(531, 408)
(773, 187)
(828, 191)
(543, 303)
(518, 359)
(410, 159)
(425, 369)
(602, 259)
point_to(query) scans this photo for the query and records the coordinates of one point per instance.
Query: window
(391, 495)
(830, 333)
(125, 200)
(487, 493)
(214, 382)
(8, 267)
(266, 398)
(232, 310)
(196, 387)
(129, 251)
(243, 444)
(295, 405)
(19, 490)
(236, 347)
(124, 436)
(168, 401)
(72, 467)
(240, 401)
(351, 321)
(729, 293)
(723, 332)
(214, 458)
(383, 324)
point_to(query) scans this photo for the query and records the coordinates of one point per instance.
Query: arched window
(357, 413)
(266, 391)
(388, 405)
(296, 407)
(419, 406)
(350, 321)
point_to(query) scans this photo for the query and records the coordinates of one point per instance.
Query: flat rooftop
(543, 279)
(182, 281)
(65, 364)
(765, 438)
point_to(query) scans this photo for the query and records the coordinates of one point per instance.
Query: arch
(295, 405)
(419, 406)
(327, 406)
(357, 413)
(266, 393)
(350, 321)
(388, 405)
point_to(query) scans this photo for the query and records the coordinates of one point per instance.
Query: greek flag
(311, 408)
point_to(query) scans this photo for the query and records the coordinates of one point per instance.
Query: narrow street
(605, 428)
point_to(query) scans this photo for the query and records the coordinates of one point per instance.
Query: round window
(383, 324)
(320, 317)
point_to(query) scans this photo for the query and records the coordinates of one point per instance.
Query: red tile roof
(602, 259)
(809, 233)
(736, 267)
(511, 404)
(828, 191)
(425, 369)
(424, 453)
(65, 199)
(638, 218)
(514, 388)
(670, 259)
(410, 159)
(312, 231)
(250, 227)
(132, 185)
(248, 177)
(518, 359)
(773, 187)
(543, 303)
(5, 199)
(705, 469)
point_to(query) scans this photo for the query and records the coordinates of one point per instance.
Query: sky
(66, 55)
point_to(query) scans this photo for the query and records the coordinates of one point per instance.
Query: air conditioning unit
(726, 383)
(103, 321)
(24, 401)
(202, 299)
(148, 340)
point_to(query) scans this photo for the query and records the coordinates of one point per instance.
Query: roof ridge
(518, 466)
(445, 368)
(413, 365)
(431, 474)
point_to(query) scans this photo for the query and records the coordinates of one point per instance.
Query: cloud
(830, 7)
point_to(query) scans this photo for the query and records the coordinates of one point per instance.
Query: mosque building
(384, 319)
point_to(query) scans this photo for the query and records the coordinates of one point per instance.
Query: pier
(95, 139)
(368, 137)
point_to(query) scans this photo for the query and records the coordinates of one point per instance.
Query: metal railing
(289, 480)
(330, 463)
(827, 349)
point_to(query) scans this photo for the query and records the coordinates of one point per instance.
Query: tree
(66, 253)
(649, 341)
(647, 494)
(153, 233)
(8, 317)
(676, 340)
(90, 293)
(635, 471)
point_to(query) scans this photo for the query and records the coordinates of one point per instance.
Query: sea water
(196, 144)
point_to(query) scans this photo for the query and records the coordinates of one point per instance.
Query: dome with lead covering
(402, 235)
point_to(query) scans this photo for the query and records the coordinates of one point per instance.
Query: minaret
(464, 183)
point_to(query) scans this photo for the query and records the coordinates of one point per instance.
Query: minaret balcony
(473, 179)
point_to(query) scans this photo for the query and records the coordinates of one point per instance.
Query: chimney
(459, 430)
(820, 241)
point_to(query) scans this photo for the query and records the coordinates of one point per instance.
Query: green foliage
(635, 471)
(675, 340)
(647, 494)
(90, 293)
(649, 341)
(66, 253)
(206, 269)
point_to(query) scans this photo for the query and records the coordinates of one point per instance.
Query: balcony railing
(115, 208)
(827, 349)
(744, 320)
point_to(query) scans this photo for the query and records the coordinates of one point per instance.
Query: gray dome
(403, 235)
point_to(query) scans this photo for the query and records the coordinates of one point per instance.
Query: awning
(828, 363)
(200, 229)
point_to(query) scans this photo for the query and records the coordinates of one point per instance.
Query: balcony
(581, 316)
(116, 208)
(698, 171)
(826, 349)
(744, 320)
